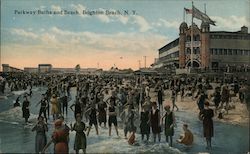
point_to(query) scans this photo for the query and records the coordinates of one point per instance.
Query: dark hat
(206, 103)
(40, 117)
(60, 117)
(78, 115)
(58, 123)
(154, 103)
(167, 107)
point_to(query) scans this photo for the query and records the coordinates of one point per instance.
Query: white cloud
(123, 19)
(232, 23)
(22, 32)
(49, 39)
(102, 17)
(168, 24)
(142, 23)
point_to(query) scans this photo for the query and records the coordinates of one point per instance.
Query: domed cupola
(183, 27)
(205, 27)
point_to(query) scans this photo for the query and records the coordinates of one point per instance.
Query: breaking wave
(15, 116)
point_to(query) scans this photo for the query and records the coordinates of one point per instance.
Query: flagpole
(183, 14)
(191, 57)
(205, 8)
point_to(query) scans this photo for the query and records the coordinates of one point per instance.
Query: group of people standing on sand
(106, 99)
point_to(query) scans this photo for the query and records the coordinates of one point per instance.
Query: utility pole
(139, 64)
(145, 64)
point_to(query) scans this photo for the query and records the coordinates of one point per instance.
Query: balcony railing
(195, 44)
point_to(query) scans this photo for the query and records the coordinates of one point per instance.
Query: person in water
(25, 109)
(169, 124)
(131, 139)
(43, 107)
(60, 139)
(92, 118)
(17, 104)
(41, 128)
(155, 121)
(129, 119)
(206, 116)
(187, 138)
(145, 124)
(80, 137)
(54, 104)
(78, 107)
(102, 116)
(112, 118)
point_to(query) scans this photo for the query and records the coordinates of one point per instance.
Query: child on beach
(187, 138)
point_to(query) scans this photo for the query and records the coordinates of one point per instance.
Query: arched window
(188, 51)
(197, 37)
(197, 50)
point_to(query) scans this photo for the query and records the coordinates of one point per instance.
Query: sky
(121, 40)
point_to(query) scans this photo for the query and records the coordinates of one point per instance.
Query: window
(225, 51)
(188, 38)
(215, 51)
(188, 51)
(235, 37)
(212, 51)
(220, 51)
(229, 51)
(177, 54)
(228, 37)
(245, 37)
(240, 52)
(197, 38)
(234, 52)
(246, 52)
(198, 50)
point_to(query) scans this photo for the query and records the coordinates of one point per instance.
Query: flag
(202, 16)
(188, 11)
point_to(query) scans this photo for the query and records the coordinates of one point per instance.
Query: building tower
(182, 39)
(205, 45)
